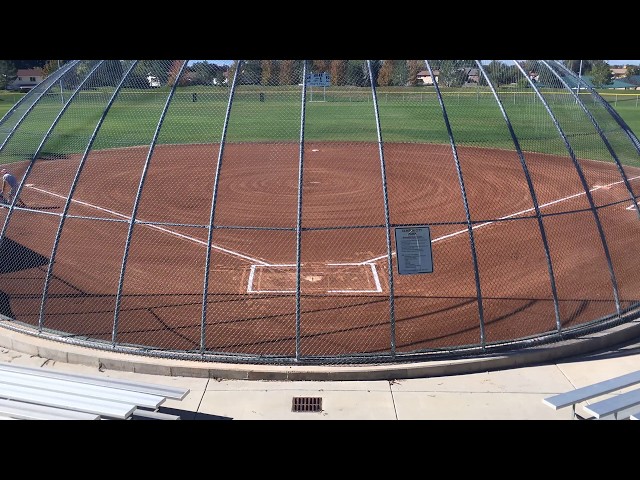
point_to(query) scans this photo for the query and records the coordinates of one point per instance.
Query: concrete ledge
(67, 353)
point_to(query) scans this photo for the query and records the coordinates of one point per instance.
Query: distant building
(471, 75)
(617, 84)
(619, 72)
(425, 76)
(26, 79)
(634, 80)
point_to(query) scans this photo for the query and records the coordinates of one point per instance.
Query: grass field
(272, 114)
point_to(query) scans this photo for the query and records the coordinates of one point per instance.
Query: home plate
(315, 150)
(28, 184)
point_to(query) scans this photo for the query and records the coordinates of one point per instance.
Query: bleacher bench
(153, 415)
(45, 394)
(618, 407)
(175, 393)
(17, 410)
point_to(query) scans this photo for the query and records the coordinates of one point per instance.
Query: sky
(623, 62)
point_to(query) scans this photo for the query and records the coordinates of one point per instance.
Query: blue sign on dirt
(413, 250)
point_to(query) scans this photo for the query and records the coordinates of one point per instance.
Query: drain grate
(306, 404)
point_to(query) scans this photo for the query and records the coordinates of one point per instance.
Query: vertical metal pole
(37, 152)
(465, 201)
(136, 204)
(299, 216)
(61, 94)
(603, 137)
(616, 116)
(74, 183)
(214, 198)
(585, 186)
(392, 315)
(579, 76)
(59, 74)
(534, 197)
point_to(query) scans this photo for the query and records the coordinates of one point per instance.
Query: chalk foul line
(156, 227)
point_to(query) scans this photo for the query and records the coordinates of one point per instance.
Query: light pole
(579, 76)
(61, 92)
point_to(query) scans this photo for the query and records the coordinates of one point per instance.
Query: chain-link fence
(295, 212)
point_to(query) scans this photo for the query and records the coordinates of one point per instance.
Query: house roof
(635, 79)
(29, 72)
(617, 83)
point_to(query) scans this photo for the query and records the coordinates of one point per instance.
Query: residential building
(26, 79)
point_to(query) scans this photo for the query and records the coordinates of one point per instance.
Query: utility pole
(579, 76)
(61, 94)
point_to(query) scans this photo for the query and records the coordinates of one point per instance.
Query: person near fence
(9, 187)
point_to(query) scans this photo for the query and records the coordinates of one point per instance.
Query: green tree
(203, 73)
(452, 73)
(218, 75)
(50, 67)
(251, 73)
(82, 70)
(413, 68)
(601, 74)
(401, 72)
(8, 73)
(375, 68)
(356, 73)
(633, 70)
(110, 72)
(573, 65)
(587, 65)
(532, 67)
(498, 72)
(157, 68)
(231, 73)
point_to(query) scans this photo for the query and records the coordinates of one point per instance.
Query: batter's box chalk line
(345, 278)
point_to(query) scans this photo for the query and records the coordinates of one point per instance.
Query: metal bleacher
(621, 406)
(35, 393)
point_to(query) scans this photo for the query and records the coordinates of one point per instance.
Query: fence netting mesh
(318, 211)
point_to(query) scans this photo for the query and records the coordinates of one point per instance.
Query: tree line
(450, 73)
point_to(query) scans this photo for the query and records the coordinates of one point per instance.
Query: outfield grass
(629, 110)
(260, 114)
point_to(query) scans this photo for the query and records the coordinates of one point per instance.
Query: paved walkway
(510, 393)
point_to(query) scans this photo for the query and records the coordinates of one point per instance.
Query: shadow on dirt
(5, 305)
(15, 257)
